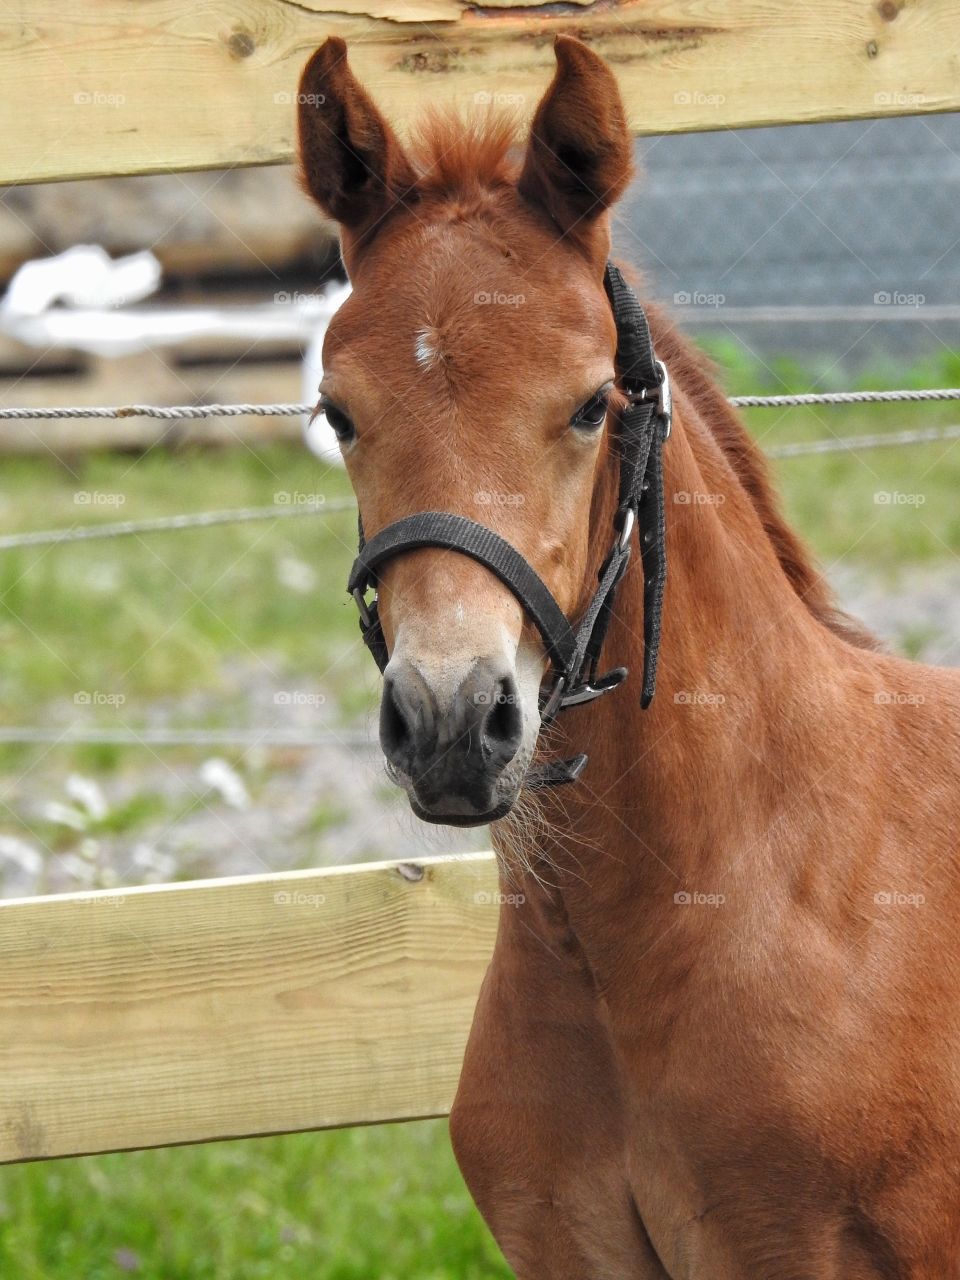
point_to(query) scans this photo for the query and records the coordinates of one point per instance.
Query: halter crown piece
(573, 650)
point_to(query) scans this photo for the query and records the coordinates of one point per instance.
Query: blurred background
(187, 703)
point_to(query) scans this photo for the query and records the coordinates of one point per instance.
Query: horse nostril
(395, 729)
(406, 718)
(502, 727)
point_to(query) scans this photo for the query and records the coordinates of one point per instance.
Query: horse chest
(720, 1153)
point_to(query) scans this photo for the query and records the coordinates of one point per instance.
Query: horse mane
(456, 156)
(697, 374)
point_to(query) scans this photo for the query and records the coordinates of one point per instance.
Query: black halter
(574, 651)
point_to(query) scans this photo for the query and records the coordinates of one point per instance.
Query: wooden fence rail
(237, 1007)
(144, 86)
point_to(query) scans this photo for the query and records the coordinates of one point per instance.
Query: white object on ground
(65, 815)
(86, 792)
(24, 855)
(220, 777)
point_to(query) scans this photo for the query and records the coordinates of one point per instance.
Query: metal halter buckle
(663, 395)
(359, 596)
(554, 700)
(590, 689)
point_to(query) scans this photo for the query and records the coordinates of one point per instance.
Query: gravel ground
(166, 814)
(916, 611)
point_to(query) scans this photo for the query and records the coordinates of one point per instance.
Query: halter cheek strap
(644, 427)
(574, 651)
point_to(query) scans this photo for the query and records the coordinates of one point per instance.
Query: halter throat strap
(574, 651)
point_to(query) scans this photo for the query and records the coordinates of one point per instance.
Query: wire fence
(854, 444)
(272, 737)
(173, 411)
(166, 524)
(74, 735)
(279, 511)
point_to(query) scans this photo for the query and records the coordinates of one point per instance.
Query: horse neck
(672, 792)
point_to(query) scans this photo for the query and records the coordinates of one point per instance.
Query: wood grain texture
(227, 1008)
(118, 86)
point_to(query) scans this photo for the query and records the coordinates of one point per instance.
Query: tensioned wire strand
(248, 515)
(169, 412)
(71, 735)
(164, 524)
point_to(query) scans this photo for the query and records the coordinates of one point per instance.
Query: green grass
(145, 617)
(104, 633)
(836, 500)
(383, 1203)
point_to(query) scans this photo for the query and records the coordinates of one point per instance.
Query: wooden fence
(234, 1007)
(143, 86)
(179, 1013)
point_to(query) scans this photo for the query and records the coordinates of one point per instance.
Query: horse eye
(593, 414)
(342, 426)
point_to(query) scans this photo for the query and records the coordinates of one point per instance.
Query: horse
(719, 1036)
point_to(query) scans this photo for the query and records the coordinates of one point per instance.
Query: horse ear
(351, 162)
(580, 156)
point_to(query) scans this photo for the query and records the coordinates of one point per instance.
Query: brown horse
(720, 1035)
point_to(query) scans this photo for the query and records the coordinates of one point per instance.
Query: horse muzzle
(453, 755)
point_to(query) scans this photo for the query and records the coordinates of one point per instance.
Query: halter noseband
(574, 651)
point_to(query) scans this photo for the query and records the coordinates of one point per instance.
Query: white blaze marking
(425, 354)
